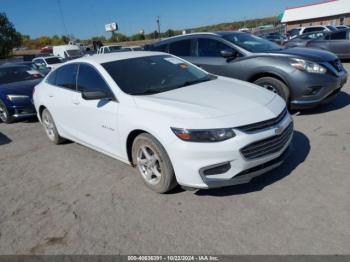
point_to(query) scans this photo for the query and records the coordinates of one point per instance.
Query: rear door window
(181, 48)
(338, 36)
(313, 29)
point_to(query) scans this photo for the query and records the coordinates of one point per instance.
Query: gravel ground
(69, 199)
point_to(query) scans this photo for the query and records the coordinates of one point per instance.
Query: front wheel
(4, 114)
(153, 163)
(274, 85)
(50, 127)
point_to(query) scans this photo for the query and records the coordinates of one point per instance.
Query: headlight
(16, 97)
(308, 66)
(204, 135)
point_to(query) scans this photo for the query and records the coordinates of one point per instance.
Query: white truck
(67, 51)
(109, 49)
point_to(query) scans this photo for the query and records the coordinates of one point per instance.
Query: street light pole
(158, 23)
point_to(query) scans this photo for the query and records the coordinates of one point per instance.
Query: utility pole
(158, 23)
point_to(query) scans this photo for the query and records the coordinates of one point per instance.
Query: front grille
(267, 146)
(337, 65)
(263, 124)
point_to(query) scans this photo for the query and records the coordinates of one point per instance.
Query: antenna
(62, 17)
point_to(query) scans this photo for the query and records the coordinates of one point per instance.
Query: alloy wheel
(148, 165)
(3, 113)
(49, 126)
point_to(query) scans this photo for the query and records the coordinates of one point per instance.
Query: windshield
(53, 60)
(251, 42)
(73, 53)
(17, 74)
(114, 48)
(154, 74)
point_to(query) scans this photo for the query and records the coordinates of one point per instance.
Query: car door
(209, 58)
(60, 96)
(96, 121)
(339, 44)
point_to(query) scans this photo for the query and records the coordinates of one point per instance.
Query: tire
(5, 116)
(275, 85)
(153, 163)
(50, 127)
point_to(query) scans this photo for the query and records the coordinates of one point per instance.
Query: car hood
(307, 53)
(19, 88)
(212, 99)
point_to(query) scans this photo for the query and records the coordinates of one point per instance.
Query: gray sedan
(336, 42)
(303, 77)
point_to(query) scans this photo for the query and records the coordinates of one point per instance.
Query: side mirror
(229, 55)
(95, 95)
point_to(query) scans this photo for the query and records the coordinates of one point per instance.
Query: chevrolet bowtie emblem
(279, 130)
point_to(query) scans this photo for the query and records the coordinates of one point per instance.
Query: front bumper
(328, 87)
(22, 110)
(190, 159)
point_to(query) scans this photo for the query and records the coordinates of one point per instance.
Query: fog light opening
(217, 169)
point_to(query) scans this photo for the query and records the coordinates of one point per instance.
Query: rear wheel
(274, 85)
(50, 127)
(4, 114)
(153, 163)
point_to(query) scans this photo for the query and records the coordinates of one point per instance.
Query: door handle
(50, 95)
(76, 102)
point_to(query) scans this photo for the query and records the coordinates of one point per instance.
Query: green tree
(9, 37)
(118, 37)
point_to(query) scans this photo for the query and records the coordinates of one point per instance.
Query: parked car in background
(132, 48)
(336, 42)
(171, 120)
(341, 27)
(46, 50)
(83, 47)
(303, 77)
(308, 29)
(277, 38)
(67, 52)
(48, 61)
(16, 88)
(109, 49)
(42, 69)
(302, 40)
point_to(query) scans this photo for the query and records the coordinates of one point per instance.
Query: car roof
(110, 57)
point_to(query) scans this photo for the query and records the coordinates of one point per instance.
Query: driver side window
(212, 48)
(90, 80)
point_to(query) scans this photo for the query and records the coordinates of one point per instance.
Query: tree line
(10, 38)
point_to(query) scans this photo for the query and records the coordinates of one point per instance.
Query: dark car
(16, 90)
(303, 77)
(335, 42)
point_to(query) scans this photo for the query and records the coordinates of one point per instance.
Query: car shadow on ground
(4, 139)
(342, 100)
(300, 150)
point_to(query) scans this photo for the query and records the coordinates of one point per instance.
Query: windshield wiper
(147, 92)
(197, 81)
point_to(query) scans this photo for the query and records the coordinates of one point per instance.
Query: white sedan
(170, 119)
(48, 61)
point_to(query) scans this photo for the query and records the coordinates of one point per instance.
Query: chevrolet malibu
(171, 120)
